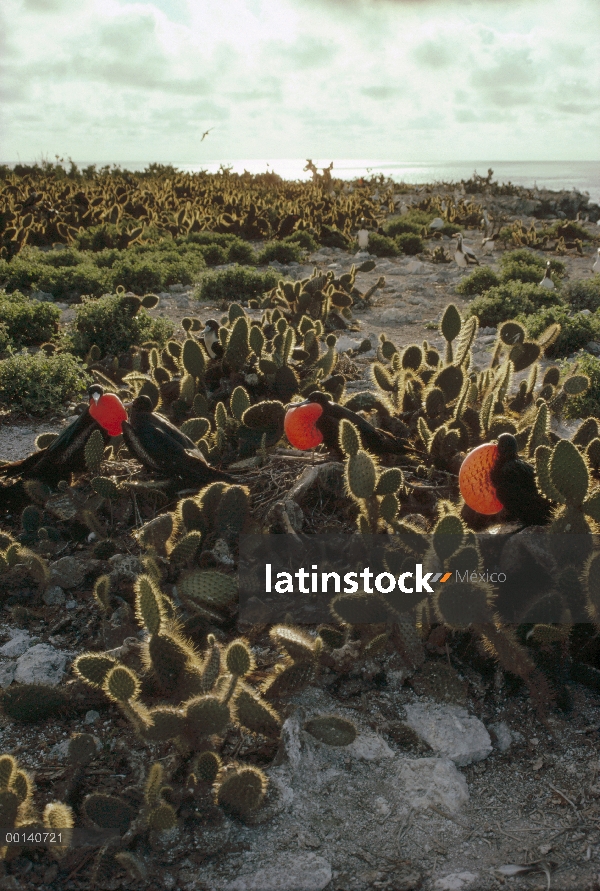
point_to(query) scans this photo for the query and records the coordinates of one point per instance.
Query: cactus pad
(361, 475)
(242, 790)
(332, 730)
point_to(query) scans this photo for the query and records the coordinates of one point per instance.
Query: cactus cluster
(17, 810)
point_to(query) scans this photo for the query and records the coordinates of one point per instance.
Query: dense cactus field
(156, 651)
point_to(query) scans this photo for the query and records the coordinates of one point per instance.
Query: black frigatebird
(514, 481)
(163, 448)
(307, 426)
(66, 454)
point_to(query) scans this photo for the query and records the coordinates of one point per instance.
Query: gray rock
(68, 572)
(125, 567)
(369, 747)
(41, 664)
(456, 881)
(91, 717)
(450, 730)
(42, 296)
(18, 644)
(7, 673)
(70, 604)
(593, 347)
(401, 316)
(290, 872)
(501, 735)
(431, 781)
(53, 596)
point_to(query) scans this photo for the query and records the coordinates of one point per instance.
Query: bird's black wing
(67, 450)
(139, 447)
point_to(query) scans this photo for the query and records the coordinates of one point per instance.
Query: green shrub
(588, 404)
(239, 251)
(97, 238)
(155, 270)
(480, 280)
(214, 254)
(524, 266)
(110, 324)
(304, 239)
(28, 322)
(403, 226)
(6, 343)
(382, 246)
(567, 229)
(508, 300)
(281, 251)
(576, 330)
(39, 384)
(583, 294)
(237, 283)
(203, 238)
(410, 244)
(63, 257)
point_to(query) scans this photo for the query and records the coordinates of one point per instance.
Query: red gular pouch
(300, 425)
(474, 480)
(109, 412)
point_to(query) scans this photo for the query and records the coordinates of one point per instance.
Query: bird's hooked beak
(297, 404)
(96, 397)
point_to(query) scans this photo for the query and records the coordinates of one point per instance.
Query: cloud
(110, 79)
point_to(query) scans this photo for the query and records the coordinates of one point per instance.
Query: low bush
(6, 343)
(402, 226)
(382, 246)
(588, 404)
(583, 294)
(567, 229)
(214, 254)
(575, 330)
(39, 384)
(524, 266)
(410, 244)
(240, 251)
(480, 280)
(281, 252)
(507, 300)
(237, 283)
(304, 239)
(28, 322)
(113, 326)
(66, 274)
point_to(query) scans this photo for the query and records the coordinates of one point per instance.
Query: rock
(415, 267)
(7, 673)
(70, 604)
(450, 731)
(42, 296)
(455, 881)
(41, 664)
(427, 781)
(60, 750)
(345, 342)
(486, 331)
(369, 747)
(401, 316)
(53, 596)
(91, 717)
(501, 735)
(18, 644)
(69, 572)
(176, 289)
(593, 347)
(290, 872)
(125, 567)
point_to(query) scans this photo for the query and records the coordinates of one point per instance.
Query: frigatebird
(514, 482)
(66, 454)
(163, 448)
(317, 420)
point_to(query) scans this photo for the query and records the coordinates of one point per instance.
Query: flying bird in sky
(205, 134)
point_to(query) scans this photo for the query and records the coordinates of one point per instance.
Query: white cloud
(111, 79)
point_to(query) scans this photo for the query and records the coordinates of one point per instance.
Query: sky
(433, 80)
